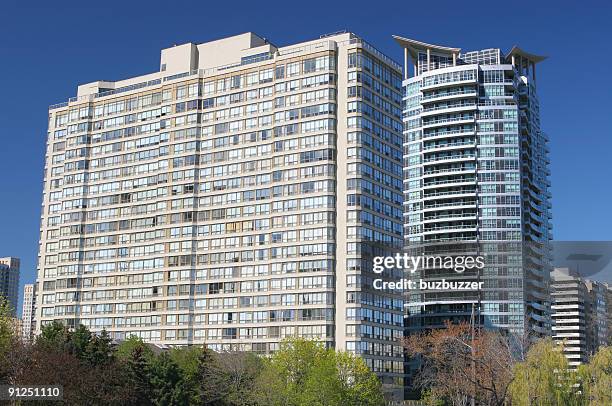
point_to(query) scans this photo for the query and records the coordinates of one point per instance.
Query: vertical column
(428, 59)
(340, 337)
(454, 59)
(406, 66)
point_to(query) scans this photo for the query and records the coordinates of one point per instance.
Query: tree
(8, 339)
(291, 372)
(304, 372)
(53, 336)
(82, 383)
(596, 378)
(242, 370)
(6, 325)
(544, 378)
(213, 380)
(451, 356)
(125, 350)
(98, 351)
(359, 385)
(168, 385)
(78, 341)
(134, 356)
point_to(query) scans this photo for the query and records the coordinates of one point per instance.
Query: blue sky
(47, 49)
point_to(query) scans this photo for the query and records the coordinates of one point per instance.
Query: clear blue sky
(47, 49)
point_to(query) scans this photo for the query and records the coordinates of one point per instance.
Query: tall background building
(609, 311)
(579, 314)
(476, 180)
(28, 311)
(597, 315)
(9, 281)
(570, 305)
(229, 199)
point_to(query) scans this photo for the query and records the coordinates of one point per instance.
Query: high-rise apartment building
(579, 314)
(9, 281)
(609, 311)
(476, 181)
(28, 311)
(228, 198)
(569, 297)
(597, 315)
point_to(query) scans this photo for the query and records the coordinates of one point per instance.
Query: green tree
(125, 350)
(98, 351)
(6, 325)
(544, 378)
(168, 385)
(134, 355)
(53, 336)
(7, 339)
(359, 385)
(187, 358)
(78, 341)
(596, 378)
(304, 372)
(213, 380)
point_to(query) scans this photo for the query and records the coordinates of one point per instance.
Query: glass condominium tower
(476, 172)
(225, 199)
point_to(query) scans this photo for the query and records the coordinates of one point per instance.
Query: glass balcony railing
(450, 144)
(449, 157)
(449, 94)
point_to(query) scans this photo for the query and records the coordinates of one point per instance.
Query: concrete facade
(579, 313)
(28, 312)
(225, 199)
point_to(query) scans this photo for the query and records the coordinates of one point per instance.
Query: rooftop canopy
(523, 54)
(413, 46)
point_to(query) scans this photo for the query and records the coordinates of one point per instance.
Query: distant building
(597, 317)
(579, 313)
(609, 311)
(28, 311)
(9, 280)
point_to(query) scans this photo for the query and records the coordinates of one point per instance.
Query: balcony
(434, 135)
(438, 172)
(450, 182)
(458, 107)
(466, 119)
(454, 157)
(432, 97)
(450, 145)
(451, 204)
(468, 191)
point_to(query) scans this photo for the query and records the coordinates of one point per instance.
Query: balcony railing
(450, 144)
(448, 94)
(449, 157)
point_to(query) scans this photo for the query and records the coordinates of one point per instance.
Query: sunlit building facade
(579, 314)
(225, 199)
(28, 311)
